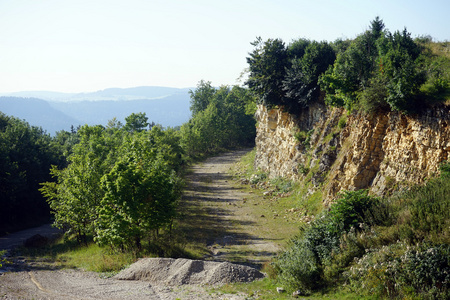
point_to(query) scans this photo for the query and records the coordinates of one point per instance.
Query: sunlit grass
(95, 258)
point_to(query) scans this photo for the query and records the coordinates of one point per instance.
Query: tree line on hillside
(377, 70)
(118, 184)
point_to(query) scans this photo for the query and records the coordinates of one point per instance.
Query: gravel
(175, 272)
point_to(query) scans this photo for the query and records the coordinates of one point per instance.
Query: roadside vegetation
(362, 247)
(115, 190)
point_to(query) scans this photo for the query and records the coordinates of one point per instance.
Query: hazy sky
(84, 46)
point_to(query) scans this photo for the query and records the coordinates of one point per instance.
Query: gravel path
(18, 238)
(209, 186)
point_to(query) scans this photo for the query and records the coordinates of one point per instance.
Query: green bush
(399, 271)
(350, 210)
(313, 251)
(298, 268)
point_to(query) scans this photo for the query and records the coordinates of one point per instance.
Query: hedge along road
(233, 222)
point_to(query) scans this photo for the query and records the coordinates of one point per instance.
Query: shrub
(399, 271)
(350, 210)
(313, 251)
(299, 268)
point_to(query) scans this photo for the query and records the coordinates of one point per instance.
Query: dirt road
(18, 238)
(229, 221)
(223, 216)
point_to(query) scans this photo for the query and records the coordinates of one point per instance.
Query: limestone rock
(375, 152)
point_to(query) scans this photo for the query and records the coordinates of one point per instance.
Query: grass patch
(69, 254)
(95, 258)
(267, 289)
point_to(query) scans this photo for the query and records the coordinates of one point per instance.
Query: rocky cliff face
(328, 148)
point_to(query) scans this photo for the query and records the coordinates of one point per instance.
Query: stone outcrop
(378, 152)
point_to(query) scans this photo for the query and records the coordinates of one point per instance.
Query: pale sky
(89, 45)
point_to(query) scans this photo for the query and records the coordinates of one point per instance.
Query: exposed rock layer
(376, 152)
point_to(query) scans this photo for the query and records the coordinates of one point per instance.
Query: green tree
(350, 72)
(201, 96)
(301, 81)
(226, 122)
(118, 185)
(136, 122)
(75, 197)
(26, 154)
(140, 195)
(398, 65)
(267, 66)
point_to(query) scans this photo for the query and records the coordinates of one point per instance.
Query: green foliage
(140, 195)
(351, 71)
(258, 177)
(379, 70)
(223, 124)
(304, 137)
(136, 122)
(350, 210)
(342, 122)
(26, 154)
(435, 64)
(299, 268)
(430, 207)
(2, 259)
(267, 66)
(401, 271)
(373, 97)
(201, 96)
(303, 264)
(391, 248)
(288, 76)
(398, 55)
(281, 185)
(120, 185)
(300, 83)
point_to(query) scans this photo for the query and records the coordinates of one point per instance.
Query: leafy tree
(267, 65)
(136, 122)
(351, 71)
(26, 154)
(377, 70)
(201, 96)
(297, 48)
(75, 197)
(140, 195)
(301, 81)
(398, 54)
(226, 122)
(119, 186)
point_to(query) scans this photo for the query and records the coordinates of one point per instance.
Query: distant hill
(135, 93)
(59, 111)
(37, 112)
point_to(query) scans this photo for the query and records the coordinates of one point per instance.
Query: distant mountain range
(55, 111)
